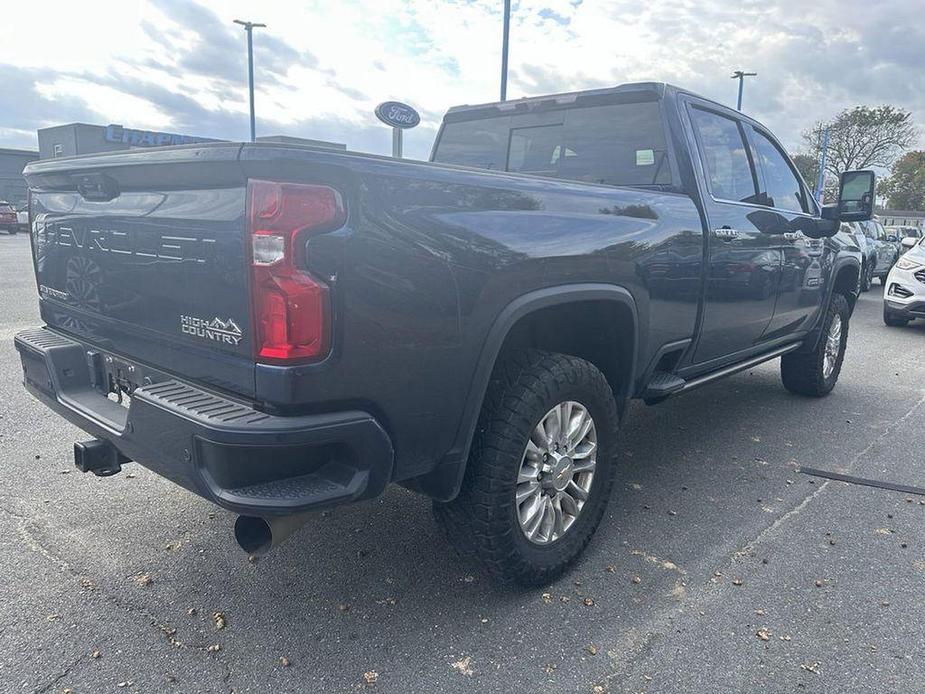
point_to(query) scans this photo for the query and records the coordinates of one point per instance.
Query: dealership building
(12, 184)
(84, 138)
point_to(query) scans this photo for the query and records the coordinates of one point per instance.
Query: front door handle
(726, 233)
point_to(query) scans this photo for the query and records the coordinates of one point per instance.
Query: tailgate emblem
(215, 329)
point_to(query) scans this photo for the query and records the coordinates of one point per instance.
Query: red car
(8, 220)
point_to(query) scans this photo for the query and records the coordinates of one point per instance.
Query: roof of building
(23, 152)
(901, 213)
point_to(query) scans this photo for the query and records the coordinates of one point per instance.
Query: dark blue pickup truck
(280, 328)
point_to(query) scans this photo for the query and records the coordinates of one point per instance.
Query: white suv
(904, 289)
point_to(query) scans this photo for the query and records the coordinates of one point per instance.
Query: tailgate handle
(97, 187)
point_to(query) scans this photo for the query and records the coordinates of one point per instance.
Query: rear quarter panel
(432, 254)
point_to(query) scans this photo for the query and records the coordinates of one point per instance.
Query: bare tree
(862, 137)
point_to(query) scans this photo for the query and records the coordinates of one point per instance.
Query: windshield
(617, 144)
(6, 207)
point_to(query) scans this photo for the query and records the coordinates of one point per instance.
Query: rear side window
(478, 143)
(782, 187)
(616, 144)
(870, 230)
(725, 157)
(6, 208)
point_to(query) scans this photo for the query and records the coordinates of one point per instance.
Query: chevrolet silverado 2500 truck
(281, 328)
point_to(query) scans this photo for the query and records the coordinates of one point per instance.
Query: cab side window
(782, 186)
(725, 157)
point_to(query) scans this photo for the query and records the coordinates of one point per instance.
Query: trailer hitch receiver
(99, 457)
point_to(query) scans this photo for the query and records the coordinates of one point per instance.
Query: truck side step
(661, 385)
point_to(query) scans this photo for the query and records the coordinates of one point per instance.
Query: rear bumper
(240, 458)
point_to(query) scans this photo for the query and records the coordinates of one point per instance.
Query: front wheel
(815, 373)
(540, 471)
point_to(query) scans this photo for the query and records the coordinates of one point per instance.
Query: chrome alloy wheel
(556, 472)
(832, 346)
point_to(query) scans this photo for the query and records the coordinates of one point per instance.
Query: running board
(661, 386)
(739, 366)
(664, 385)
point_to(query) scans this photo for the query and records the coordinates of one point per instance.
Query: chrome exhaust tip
(257, 535)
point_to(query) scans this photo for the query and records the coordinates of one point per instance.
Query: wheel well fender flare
(838, 267)
(444, 482)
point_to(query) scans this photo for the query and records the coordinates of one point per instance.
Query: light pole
(504, 44)
(820, 181)
(249, 28)
(740, 75)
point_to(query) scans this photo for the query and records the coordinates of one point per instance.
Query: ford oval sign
(397, 114)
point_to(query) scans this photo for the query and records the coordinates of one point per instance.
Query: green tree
(808, 166)
(905, 187)
(862, 137)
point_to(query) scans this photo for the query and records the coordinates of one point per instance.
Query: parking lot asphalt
(718, 568)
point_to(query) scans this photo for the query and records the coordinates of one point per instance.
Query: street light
(504, 44)
(249, 28)
(739, 75)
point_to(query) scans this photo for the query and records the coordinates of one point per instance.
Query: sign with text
(149, 138)
(397, 114)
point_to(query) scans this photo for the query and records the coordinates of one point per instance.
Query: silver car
(869, 256)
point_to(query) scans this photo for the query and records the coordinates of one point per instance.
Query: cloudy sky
(322, 65)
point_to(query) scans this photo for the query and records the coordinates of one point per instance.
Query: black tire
(867, 277)
(803, 372)
(482, 521)
(893, 321)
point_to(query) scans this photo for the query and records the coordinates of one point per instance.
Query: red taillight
(291, 308)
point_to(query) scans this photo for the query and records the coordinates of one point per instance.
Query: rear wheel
(540, 471)
(815, 373)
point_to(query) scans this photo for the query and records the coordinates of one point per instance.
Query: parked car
(8, 221)
(904, 232)
(22, 218)
(870, 259)
(290, 328)
(887, 247)
(904, 296)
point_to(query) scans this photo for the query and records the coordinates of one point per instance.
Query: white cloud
(322, 66)
(107, 102)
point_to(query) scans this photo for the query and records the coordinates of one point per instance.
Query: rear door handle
(726, 233)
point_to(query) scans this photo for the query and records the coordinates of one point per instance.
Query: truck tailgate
(143, 254)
